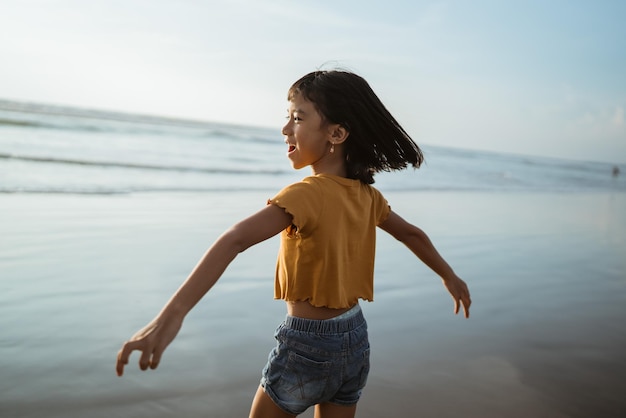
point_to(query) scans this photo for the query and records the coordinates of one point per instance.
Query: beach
(547, 272)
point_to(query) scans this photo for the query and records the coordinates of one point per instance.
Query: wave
(271, 188)
(130, 190)
(22, 123)
(50, 149)
(39, 116)
(139, 166)
(137, 127)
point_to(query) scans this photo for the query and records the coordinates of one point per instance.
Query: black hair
(376, 141)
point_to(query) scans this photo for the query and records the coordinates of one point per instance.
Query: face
(305, 133)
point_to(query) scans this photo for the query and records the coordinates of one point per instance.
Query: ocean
(54, 149)
(104, 214)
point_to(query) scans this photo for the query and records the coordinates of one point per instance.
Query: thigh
(330, 410)
(263, 406)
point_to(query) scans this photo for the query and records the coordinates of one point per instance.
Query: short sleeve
(303, 201)
(382, 207)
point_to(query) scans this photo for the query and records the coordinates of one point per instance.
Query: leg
(331, 410)
(264, 407)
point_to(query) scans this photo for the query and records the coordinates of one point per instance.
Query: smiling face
(307, 135)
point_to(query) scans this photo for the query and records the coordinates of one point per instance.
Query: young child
(336, 125)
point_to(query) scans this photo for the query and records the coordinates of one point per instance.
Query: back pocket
(305, 379)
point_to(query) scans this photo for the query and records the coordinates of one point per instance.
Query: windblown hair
(376, 141)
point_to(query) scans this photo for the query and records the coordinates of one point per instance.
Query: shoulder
(303, 200)
(305, 195)
(376, 194)
(373, 190)
(379, 203)
(308, 185)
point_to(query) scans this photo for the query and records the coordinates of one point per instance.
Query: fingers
(466, 301)
(149, 360)
(462, 300)
(150, 357)
(460, 294)
(156, 359)
(466, 306)
(122, 358)
(119, 367)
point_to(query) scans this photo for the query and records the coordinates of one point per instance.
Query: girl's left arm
(419, 243)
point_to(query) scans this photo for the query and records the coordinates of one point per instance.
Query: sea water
(52, 149)
(102, 216)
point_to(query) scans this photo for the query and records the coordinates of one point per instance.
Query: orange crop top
(327, 255)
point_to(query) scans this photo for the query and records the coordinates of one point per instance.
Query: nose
(287, 128)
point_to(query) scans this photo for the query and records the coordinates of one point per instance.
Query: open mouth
(292, 148)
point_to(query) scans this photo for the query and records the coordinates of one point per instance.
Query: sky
(530, 77)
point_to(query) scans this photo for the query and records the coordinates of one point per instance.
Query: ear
(338, 133)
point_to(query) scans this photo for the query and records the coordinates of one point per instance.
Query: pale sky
(538, 77)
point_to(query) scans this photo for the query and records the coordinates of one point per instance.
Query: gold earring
(332, 148)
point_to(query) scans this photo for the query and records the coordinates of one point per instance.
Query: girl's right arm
(159, 333)
(419, 243)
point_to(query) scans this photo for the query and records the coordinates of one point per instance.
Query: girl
(338, 127)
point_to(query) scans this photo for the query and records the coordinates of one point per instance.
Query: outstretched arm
(159, 333)
(419, 243)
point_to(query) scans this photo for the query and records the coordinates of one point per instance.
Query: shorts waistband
(347, 321)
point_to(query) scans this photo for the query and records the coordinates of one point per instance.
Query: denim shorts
(318, 361)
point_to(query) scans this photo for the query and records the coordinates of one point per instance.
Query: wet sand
(80, 274)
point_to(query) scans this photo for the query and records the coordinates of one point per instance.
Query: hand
(151, 340)
(460, 294)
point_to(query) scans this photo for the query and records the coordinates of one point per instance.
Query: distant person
(615, 171)
(336, 125)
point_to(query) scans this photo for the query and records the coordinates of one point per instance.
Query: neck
(334, 164)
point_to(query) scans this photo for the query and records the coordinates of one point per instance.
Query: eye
(295, 118)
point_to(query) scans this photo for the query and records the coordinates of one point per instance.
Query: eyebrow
(296, 111)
